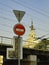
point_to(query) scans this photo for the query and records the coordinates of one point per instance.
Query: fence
(6, 40)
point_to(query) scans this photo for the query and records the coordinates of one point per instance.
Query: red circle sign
(19, 29)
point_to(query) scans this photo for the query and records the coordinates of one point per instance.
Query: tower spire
(31, 41)
(32, 27)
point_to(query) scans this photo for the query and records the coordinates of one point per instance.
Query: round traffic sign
(19, 29)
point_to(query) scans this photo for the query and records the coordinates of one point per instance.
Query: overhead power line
(5, 25)
(21, 3)
(7, 18)
(12, 8)
(5, 12)
(5, 30)
(15, 20)
(6, 5)
(35, 6)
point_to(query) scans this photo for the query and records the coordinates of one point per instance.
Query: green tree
(42, 45)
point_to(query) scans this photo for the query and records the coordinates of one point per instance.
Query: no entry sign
(19, 29)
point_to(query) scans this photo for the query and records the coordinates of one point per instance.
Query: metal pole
(19, 44)
(18, 50)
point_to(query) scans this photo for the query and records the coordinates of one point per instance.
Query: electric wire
(35, 7)
(13, 20)
(20, 4)
(6, 31)
(8, 6)
(30, 8)
(7, 18)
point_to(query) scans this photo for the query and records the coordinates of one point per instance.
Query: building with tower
(31, 41)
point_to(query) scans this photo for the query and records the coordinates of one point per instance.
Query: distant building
(32, 39)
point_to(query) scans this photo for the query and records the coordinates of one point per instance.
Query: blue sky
(35, 10)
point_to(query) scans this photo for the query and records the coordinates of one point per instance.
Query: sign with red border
(19, 29)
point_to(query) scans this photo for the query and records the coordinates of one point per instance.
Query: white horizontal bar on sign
(21, 30)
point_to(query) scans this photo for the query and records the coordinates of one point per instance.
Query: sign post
(19, 30)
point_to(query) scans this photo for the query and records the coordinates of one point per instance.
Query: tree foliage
(42, 45)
